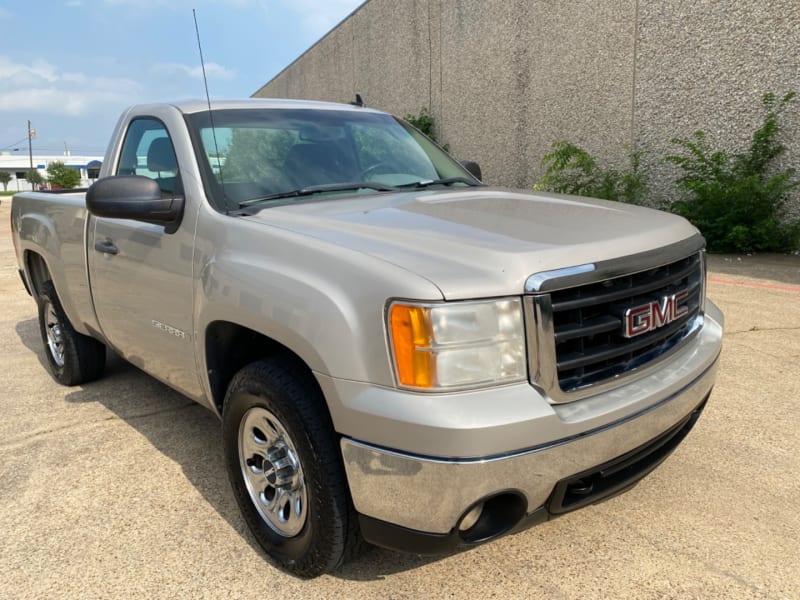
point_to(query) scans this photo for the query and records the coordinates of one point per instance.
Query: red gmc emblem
(651, 316)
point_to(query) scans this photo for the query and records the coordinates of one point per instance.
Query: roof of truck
(195, 106)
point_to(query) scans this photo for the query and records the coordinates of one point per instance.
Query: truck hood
(480, 242)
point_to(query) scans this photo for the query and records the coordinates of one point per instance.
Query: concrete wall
(506, 78)
(705, 65)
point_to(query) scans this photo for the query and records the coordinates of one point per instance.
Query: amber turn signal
(411, 341)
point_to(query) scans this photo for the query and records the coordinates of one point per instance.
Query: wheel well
(37, 271)
(229, 347)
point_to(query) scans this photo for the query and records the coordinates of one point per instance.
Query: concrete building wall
(518, 75)
(705, 65)
(504, 79)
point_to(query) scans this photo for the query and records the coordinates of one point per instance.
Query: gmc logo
(649, 317)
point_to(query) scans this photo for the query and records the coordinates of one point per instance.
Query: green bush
(738, 200)
(572, 170)
(425, 122)
(62, 176)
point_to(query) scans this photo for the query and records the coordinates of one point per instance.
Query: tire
(73, 358)
(285, 467)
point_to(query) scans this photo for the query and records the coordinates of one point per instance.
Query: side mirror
(473, 167)
(134, 197)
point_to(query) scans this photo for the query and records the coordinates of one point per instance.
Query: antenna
(208, 100)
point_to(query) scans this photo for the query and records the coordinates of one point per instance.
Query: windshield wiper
(319, 189)
(446, 181)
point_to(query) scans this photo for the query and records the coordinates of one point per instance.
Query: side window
(148, 151)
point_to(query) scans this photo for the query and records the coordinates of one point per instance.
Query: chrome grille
(582, 343)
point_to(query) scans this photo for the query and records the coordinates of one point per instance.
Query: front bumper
(507, 512)
(415, 501)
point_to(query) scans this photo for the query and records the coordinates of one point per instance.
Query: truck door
(141, 276)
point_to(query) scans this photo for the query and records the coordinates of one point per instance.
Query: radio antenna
(208, 100)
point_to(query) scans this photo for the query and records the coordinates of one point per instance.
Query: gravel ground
(118, 489)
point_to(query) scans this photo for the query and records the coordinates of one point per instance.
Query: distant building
(18, 164)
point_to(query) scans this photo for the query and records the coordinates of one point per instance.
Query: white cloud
(37, 70)
(51, 100)
(39, 86)
(213, 70)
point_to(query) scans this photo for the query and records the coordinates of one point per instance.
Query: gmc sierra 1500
(397, 352)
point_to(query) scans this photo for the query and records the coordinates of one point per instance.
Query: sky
(72, 66)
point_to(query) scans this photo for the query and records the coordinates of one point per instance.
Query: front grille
(588, 321)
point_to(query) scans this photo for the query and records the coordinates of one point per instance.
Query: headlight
(459, 344)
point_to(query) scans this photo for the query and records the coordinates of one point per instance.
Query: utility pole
(31, 133)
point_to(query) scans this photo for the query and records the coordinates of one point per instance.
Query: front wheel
(285, 467)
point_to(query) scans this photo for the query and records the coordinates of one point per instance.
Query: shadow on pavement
(29, 335)
(189, 435)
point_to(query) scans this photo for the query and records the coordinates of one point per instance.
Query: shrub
(738, 200)
(425, 122)
(572, 170)
(61, 176)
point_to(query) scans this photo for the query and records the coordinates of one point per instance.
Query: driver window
(148, 151)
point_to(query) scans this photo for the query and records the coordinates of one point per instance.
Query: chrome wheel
(272, 472)
(55, 335)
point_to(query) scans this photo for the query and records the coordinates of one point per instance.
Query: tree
(34, 177)
(62, 176)
(5, 177)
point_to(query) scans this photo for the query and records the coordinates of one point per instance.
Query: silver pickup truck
(398, 353)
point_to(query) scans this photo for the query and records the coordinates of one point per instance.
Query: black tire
(73, 358)
(299, 466)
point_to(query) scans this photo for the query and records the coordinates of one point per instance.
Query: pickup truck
(398, 354)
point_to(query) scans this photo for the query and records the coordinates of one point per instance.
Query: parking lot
(118, 488)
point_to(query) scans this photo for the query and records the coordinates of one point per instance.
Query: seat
(318, 163)
(161, 158)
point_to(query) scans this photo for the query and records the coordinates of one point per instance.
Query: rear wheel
(285, 467)
(73, 358)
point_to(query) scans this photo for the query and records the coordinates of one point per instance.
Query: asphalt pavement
(118, 488)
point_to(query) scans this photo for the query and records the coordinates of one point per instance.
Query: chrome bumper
(431, 494)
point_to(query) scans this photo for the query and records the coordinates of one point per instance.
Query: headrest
(161, 156)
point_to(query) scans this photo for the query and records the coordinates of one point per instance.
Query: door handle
(106, 247)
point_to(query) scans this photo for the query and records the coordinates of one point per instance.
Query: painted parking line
(768, 286)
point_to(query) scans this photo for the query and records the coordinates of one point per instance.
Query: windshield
(260, 153)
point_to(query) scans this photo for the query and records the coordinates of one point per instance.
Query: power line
(25, 139)
(59, 151)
